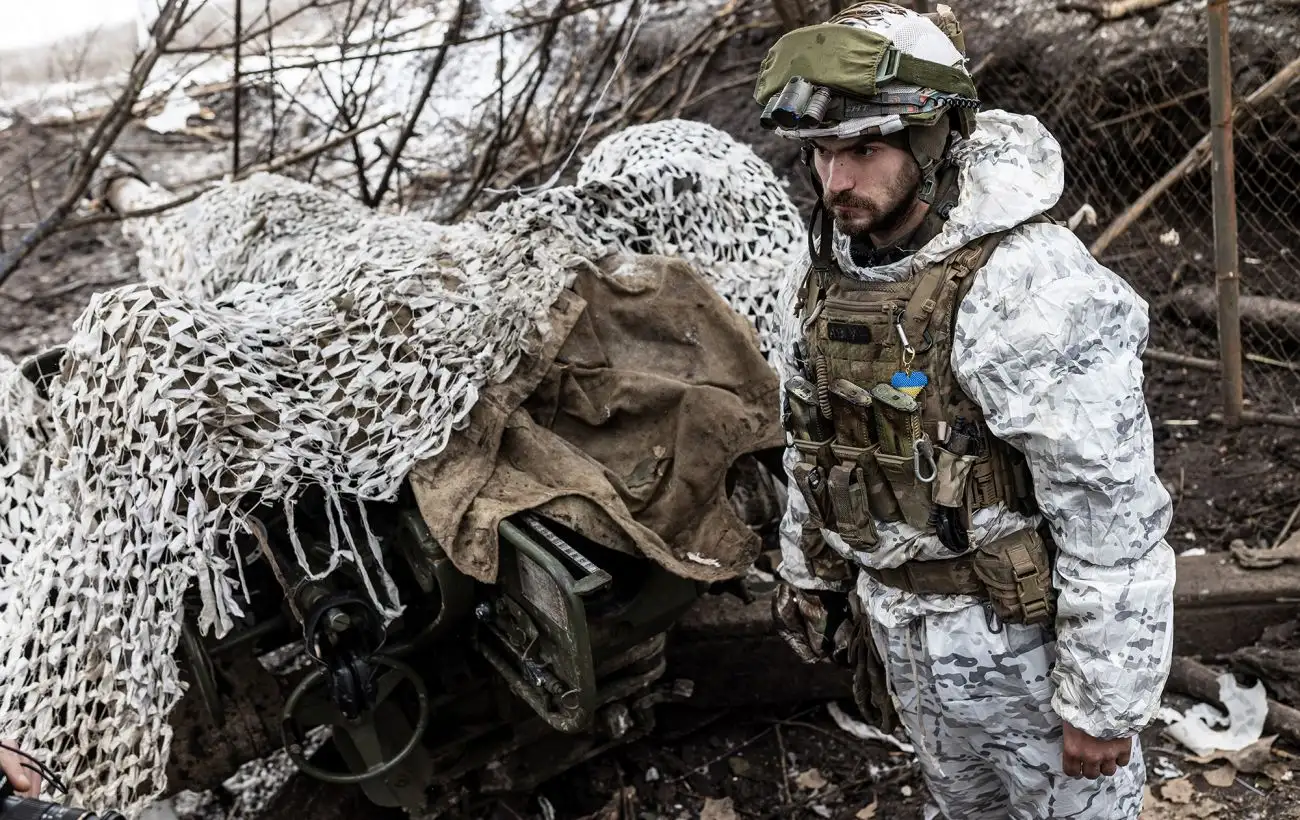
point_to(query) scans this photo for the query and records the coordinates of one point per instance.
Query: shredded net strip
(284, 338)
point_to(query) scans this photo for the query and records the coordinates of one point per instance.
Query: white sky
(33, 22)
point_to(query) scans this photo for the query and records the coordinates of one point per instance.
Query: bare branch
(531, 24)
(170, 18)
(357, 105)
(408, 129)
(270, 60)
(518, 115)
(729, 85)
(632, 108)
(264, 31)
(1113, 10)
(239, 95)
(608, 62)
(267, 167)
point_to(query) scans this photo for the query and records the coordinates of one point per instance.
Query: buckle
(1034, 610)
(1023, 575)
(887, 69)
(1022, 563)
(963, 262)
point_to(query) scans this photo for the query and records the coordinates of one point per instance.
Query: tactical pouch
(816, 453)
(880, 498)
(951, 472)
(849, 498)
(811, 478)
(1017, 572)
(898, 420)
(808, 478)
(912, 495)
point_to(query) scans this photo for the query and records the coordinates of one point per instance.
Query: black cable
(40, 768)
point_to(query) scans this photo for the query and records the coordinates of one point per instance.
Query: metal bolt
(337, 620)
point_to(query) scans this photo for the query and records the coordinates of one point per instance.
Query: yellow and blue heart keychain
(907, 380)
(910, 382)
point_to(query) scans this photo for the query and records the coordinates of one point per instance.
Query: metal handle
(315, 680)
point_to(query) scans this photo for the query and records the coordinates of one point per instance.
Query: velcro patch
(843, 332)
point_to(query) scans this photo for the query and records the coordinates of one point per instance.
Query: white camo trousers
(974, 696)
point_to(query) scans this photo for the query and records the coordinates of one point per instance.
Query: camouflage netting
(24, 433)
(284, 338)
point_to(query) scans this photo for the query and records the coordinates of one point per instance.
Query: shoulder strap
(957, 266)
(965, 261)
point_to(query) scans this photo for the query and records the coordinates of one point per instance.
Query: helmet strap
(929, 146)
(929, 183)
(820, 235)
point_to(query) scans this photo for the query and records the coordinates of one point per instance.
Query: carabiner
(922, 450)
(927, 342)
(991, 619)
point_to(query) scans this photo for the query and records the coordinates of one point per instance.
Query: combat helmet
(874, 69)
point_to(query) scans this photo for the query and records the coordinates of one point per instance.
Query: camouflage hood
(1010, 170)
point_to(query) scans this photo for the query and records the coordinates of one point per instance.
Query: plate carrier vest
(870, 451)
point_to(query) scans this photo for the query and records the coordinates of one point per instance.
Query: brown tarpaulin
(622, 426)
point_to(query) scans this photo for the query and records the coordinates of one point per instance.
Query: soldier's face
(869, 184)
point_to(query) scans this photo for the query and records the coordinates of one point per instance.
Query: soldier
(975, 522)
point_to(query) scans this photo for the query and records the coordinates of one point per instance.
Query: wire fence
(1130, 100)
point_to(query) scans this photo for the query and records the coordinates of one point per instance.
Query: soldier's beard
(882, 216)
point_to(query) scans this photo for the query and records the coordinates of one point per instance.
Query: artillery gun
(480, 686)
(476, 690)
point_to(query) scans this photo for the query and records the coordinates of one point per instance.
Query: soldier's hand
(1083, 755)
(808, 621)
(26, 782)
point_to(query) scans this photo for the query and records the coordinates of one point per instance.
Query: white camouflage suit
(1048, 344)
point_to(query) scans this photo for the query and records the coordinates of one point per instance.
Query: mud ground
(829, 774)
